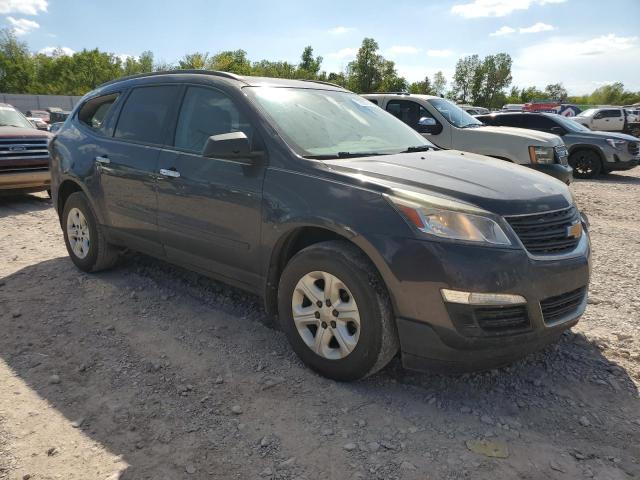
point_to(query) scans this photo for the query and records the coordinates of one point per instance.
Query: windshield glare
(587, 113)
(12, 118)
(453, 114)
(327, 122)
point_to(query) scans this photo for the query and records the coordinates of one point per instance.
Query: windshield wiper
(332, 156)
(419, 148)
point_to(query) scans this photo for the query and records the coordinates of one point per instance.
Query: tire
(585, 164)
(365, 323)
(95, 253)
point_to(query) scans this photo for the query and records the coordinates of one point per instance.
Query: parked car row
(363, 237)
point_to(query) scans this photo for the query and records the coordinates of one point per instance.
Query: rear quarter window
(95, 111)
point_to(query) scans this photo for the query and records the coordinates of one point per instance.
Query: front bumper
(431, 337)
(25, 181)
(564, 173)
(619, 161)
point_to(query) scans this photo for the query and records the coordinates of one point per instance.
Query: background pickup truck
(609, 119)
(448, 126)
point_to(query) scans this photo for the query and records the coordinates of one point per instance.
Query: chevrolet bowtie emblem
(575, 230)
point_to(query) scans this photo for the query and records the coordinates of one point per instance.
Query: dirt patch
(149, 371)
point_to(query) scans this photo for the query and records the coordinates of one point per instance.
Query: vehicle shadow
(139, 351)
(616, 178)
(16, 204)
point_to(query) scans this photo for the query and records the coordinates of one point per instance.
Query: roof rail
(387, 93)
(323, 83)
(215, 73)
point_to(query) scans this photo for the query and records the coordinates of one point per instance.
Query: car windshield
(587, 113)
(454, 114)
(334, 124)
(12, 118)
(569, 124)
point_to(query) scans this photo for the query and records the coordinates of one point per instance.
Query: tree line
(479, 81)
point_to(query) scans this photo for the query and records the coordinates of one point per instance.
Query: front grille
(547, 233)
(495, 319)
(555, 308)
(562, 154)
(634, 148)
(18, 154)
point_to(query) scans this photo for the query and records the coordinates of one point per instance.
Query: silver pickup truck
(448, 126)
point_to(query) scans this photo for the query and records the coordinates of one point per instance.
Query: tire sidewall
(595, 161)
(362, 359)
(79, 200)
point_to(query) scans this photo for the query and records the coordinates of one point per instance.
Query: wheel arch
(585, 146)
(302, 236)
(65, 189)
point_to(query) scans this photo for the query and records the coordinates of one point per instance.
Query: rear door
(128, 162)
(609, 120)
(209, 209)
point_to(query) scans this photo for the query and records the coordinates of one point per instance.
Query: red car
(24, 158)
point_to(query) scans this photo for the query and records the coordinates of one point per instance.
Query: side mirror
(429, 126)
(558, 131)
(232, 146)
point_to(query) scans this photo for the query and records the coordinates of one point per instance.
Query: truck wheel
(83, 236)
(585, 164)
(336, 312)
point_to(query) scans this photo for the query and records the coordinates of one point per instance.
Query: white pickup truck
(448, 126)
(607, 119)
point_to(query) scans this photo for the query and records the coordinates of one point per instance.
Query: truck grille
(18, 154)
(562, 154)
(555, 308)
(634, 148)
(547, 233)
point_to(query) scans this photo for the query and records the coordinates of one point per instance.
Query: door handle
(104, 160)
(173, 173)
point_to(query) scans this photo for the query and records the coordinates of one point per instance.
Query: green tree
(309, 66)
(17, 68)
(234, 61)
(364, 72)
(556, 91)
(530, 94)
(423, 87)
(439, 83)
(463, 78)
(195, 61)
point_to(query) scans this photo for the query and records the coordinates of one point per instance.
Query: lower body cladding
(622, 162)
(24, 181)
(541, 298)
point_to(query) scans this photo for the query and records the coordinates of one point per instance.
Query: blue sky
(583, 43)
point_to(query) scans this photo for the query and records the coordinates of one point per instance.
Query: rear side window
(206, 112)
(145, 113)
(537, 122)
(94, 112)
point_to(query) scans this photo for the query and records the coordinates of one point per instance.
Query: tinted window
(537, 122)
(510, 121)
(611, 113)
(94, 112)
(407, 111)
(145, 113)
(373, 100)
(206, 112)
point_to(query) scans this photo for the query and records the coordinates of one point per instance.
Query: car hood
(541, 138)
(599, 135)
(18, 132)
(500, 187)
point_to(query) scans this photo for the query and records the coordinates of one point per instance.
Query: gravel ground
(152, 372)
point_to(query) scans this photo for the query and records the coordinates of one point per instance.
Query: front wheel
(336, 312)
(585, 164)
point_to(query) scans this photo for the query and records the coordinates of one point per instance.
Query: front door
(209, 210)
(411, 112)
(609, 120)
(127, 166)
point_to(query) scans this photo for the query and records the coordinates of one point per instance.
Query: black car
(360, 236)
(590, 152)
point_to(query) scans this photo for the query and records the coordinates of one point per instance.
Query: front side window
(409, 112)
(144, 115)
(94, 112)
(206, 112)
(453, 113)
(330, 123)
(611, 114)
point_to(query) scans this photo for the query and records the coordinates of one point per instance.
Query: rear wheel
(585, 164)
(84, 237)
(336, 312)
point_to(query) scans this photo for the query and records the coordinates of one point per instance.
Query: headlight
(616, 143)
(541, 155)
(446, 219)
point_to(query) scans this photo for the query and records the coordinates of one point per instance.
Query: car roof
(399, 94)
(241, 80)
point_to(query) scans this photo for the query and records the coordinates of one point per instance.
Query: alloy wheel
(326, 315)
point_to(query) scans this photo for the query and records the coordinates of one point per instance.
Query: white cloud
(57, 51)
(414, 73)
(536, 28)
(340, 30)
(502, 31)
(495, 8)
(24, 7)
(585, 62)
(440, 53)
(22, 26)
(343, 53)
(401, 49)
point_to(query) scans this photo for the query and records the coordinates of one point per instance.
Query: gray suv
(590, 153)
(361, 236)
